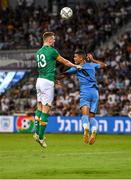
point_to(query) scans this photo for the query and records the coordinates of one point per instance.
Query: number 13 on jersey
(41, 60)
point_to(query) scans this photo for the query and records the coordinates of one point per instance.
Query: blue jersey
(89, 95)
(87, 75)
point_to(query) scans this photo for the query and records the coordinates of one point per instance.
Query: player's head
(49, 38)
(79, 56)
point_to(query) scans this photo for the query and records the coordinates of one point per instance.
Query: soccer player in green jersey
(46, 58)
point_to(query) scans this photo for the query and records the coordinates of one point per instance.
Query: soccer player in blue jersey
(89, 95)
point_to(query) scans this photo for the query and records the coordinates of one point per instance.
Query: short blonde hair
(48, 34)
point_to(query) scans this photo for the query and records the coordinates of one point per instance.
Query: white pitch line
(63, 154)
(89, 153)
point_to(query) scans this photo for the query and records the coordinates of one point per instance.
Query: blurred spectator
(4, 104)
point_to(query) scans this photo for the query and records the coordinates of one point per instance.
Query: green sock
(37, 120)
(43, 123)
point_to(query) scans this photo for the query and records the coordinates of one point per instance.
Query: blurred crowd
(23, 28)
(115, 83)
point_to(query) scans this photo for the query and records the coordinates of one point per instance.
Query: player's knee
(85, 110)
(43, 123)
(39, 106)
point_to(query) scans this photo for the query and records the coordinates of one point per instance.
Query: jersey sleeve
(55, 53)
(72, 70)
(96, 66)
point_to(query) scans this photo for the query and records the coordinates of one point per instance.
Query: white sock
(86, 125)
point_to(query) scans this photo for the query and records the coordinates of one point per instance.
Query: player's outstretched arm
(70, 71)
(90, 57)
(67, 63)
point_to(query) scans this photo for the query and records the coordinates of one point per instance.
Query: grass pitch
(66, 157)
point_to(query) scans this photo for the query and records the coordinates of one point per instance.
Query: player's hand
(90, 56)
(78, 67)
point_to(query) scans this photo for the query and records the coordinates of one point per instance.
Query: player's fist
(78, 67)
(90, 56)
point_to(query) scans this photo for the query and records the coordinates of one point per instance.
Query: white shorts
(45, 91)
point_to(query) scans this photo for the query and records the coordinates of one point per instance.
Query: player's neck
(82, 63)
(46, 44)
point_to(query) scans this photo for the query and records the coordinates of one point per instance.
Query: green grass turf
(65, 157)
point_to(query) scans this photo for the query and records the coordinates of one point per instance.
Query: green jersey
(46, 61)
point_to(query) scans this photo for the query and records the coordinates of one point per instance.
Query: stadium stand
(22, 27)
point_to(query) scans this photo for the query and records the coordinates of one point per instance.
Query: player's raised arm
(67, 63)
(90, 57)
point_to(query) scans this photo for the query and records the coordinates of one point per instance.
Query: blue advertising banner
(110, 125)
(66, 124)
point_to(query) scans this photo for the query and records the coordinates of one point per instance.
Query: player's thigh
(38, 91)
(94, 101)
(85, 102)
